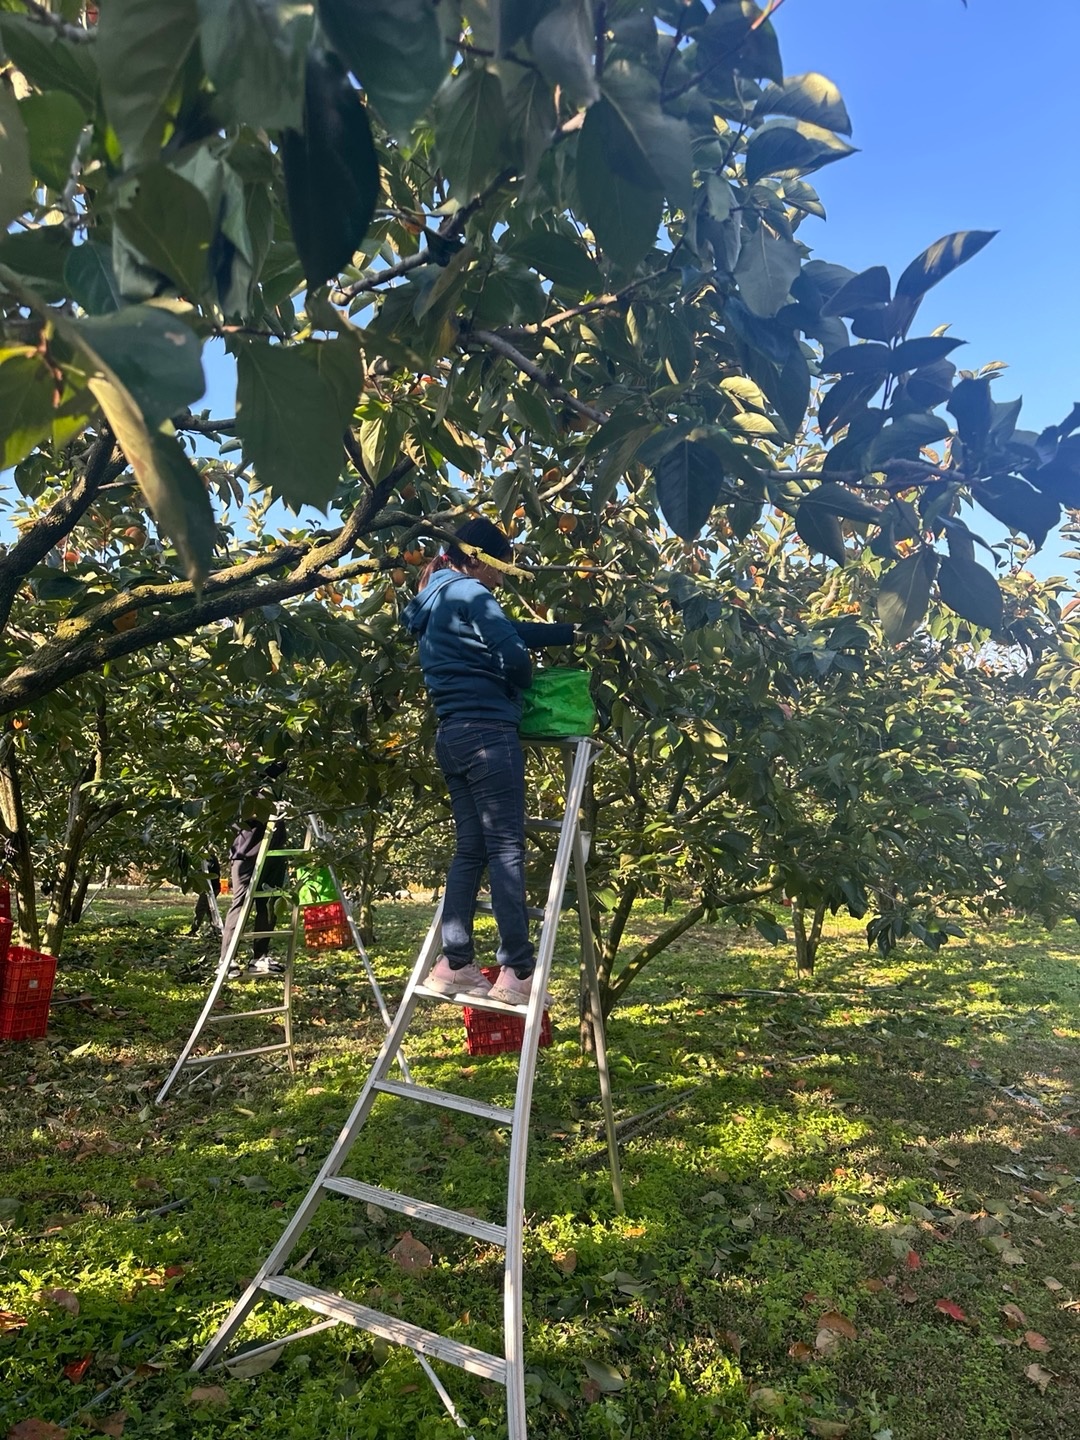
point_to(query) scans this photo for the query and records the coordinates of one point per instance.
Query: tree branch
(535, 372)
(44, 16)
(38, 539)
(81, 645)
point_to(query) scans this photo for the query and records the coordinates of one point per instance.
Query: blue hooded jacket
(475, 661)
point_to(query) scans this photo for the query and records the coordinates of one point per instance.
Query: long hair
(485, 535)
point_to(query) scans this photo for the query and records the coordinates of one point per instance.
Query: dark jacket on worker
(475, 661)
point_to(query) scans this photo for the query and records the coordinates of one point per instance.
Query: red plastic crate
(489, 1034)
(316, 916)
(26, 983)
(328, 937)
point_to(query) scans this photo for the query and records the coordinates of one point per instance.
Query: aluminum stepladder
(507, 1369)
(209, 1016)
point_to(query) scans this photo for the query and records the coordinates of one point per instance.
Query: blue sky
(966, 119)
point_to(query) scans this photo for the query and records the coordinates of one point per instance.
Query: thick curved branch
(81, 646)
(63, 515)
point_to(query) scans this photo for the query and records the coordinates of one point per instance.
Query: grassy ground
(847, 1224)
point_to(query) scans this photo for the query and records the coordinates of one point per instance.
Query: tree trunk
(13, 818)
(78, 900)
(806, 941)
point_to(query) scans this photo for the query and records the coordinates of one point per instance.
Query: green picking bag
(316, 885)
(558, 703)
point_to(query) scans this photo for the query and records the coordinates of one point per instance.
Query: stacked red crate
(487, 1033)
(326, 927)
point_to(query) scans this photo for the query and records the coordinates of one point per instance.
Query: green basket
(316, 886)
(558, 703)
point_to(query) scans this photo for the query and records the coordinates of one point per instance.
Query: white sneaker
(469, 980)
(512, 991)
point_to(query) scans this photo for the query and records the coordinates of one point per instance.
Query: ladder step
(266, 934)
(217, 1019)
(288, 852)
(419, 1209)
(389, 1327)
(478, 1002)
(533, 912)
(543, 824)
(446, 1100)
(274, 895)
(234, 1054)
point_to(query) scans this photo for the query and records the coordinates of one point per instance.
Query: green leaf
(249, 59)
(27, 387)
(168, 222)
(845, 400)
(531, 121)
(905, 436)
(623, 216)
(54, 122)
(941, 259)
(49, 61)
(767, 266)
(1019, 506)
(729, 35)
(162, 356)
(331, 171)
(806, 97)
(870, 287)
(395, 48)
(141, 48)
(646, 147)
(16, 181)
(971, 591)
(39, 256)
(562, 44)
(839, 500)
(820, 531)
(688, 485)
(151, 354)
(292, 406)
(971, 406)
(904, 594)
(563, 260)
(792, 148)
(606, 1378)
(865, 360)
(925, 350)
(470, 131)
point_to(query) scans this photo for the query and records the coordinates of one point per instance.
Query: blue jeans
(485, 770)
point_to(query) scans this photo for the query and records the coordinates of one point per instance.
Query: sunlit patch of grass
(849, 1149)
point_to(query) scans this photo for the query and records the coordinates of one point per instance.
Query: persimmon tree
(447, 250)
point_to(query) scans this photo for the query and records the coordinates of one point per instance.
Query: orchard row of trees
(545, 259)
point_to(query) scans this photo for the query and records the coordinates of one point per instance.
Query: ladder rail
(278, 1258)
(224, 963)
(513, 1338)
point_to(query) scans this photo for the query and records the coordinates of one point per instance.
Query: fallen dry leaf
(907, 1295)
(78, 1368)
(874, 1285)
(912, 1260)
(766, 1398)
(411, 1254)
(952, 1310)
(1038, 1376)
(732, 1340)
(1052, 1284)
(1034, 1341)
(36, 1430)
(107, 1424)
(832, 1328)
(828, 1429)
(10, 1321)
(209, 1395)
(801, 1351)
(565, 1261)
(64, 1298)
(1015, 1318)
